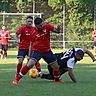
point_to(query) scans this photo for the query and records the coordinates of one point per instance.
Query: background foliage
(79, 15)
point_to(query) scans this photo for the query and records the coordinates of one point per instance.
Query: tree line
(79, 15)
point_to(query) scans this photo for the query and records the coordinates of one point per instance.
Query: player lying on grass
(66, 61)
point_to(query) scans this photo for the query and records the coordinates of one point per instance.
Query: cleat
(15, 82)
(40, 74)
(60, 80)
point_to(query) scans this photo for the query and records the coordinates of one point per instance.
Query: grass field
(85, 72)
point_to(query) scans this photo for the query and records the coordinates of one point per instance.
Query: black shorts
(49, 57)
(4, 47)
(22, 53)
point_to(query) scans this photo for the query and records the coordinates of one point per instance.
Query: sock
(1, 52)
(38, 67)
(5, 54)
(23, 71)
(56, 74)
(19, 66)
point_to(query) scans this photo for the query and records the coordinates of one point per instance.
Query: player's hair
(80, 52)
(29, 17)
(38, 20)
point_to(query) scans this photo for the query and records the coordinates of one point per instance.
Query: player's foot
(15, 82)
(40, 74)
(60, 80)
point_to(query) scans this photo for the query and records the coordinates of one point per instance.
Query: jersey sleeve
(8, 34)
(71, 63)
(50, 27)
(19, 31)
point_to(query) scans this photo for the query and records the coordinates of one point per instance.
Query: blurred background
(76, 19)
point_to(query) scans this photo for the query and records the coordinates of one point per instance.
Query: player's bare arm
(57, 30)
(71, 75)
(89, 54)
(17, 37)
(30, 49)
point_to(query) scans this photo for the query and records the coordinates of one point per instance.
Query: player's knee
(20, 60)
(55, 66)
(31, 63)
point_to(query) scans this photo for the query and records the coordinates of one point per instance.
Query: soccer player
(23, 36)
(66, 61)
(94, 38)
(4, 37)
(40, 38)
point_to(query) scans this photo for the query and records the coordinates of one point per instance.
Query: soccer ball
(33, 73)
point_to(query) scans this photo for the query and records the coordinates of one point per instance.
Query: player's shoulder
(76, 49)
(47, 25)
(7, 31)
(22, 26)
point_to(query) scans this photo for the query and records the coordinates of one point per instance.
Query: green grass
(85, 73)
(37, 87)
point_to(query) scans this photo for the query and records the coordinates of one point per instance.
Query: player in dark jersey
(66, 61)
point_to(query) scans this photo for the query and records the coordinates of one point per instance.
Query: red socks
(5, 54)
(38, 67)
(56, 74)
(1, 52)
(23, 71)
(19, 66)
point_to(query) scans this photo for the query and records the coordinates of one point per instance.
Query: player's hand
(5, 37)
(17, 41)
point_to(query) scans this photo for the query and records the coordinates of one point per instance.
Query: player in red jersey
(4, 37)
(40, 38)
(23, 40)
(94, 38)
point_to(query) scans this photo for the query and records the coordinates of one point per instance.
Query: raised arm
(17, 37)
(89, 54)
(56, 30)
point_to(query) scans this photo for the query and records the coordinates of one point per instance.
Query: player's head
(4, 27)
(29, 21)
(38, 23)
(79, 55)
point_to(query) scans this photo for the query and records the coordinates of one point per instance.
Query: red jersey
(4, 36)
(24, 33)
(41, 39)
(94, 35)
